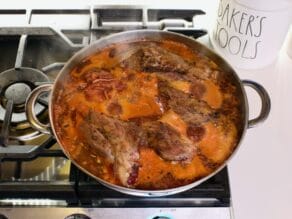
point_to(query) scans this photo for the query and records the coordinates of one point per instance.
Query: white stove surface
(260, 173)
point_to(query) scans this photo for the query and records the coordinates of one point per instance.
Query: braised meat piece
(92, 133)
(185, 83)
(114, 108)
(157, 59)
(153, 58)
(116, 140)
(133, 61)
(187, 106)
(98, 84)
(169, 143)
(125, 144)
(205, 69)
(195, 132)
(96, 75)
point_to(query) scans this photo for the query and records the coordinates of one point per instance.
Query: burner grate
(30, 152)
(83, 191)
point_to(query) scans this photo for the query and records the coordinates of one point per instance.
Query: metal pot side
(158, 35)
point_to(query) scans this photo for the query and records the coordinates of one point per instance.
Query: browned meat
(120, 86)
(97, 75)
(99, 84)
(168, 143)
(154, 58)
(187, 106)
(197, 89)
(133, 61)
(205, 70)
(158, 59)
(126, 153)
(118, 141)
(195, 132)
(114, 108)
(91, 132)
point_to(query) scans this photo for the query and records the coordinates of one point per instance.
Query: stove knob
(76, 216)
(3, 216)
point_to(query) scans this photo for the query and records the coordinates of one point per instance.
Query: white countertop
(260, 173)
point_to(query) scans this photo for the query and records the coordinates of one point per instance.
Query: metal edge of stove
(83, 191)
(123, 213)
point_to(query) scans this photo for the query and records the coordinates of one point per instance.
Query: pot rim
(147, 33)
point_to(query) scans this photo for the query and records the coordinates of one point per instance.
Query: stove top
(33, 169)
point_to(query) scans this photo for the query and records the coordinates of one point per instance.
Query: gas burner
(18, 93)
(15, 85)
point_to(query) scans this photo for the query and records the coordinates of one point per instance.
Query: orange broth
(72, 104)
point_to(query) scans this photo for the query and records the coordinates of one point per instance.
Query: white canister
(248, 33)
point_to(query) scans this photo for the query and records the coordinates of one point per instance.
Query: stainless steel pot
(151, 35)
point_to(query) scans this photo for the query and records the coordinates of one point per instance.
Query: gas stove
(36, 179)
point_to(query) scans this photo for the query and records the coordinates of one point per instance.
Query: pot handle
(29, 108)
(266, 103)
